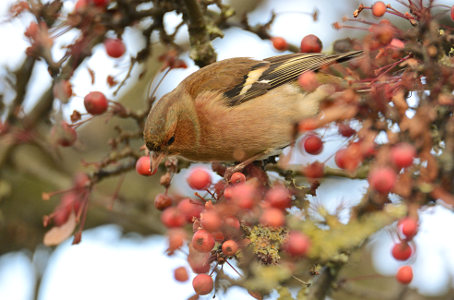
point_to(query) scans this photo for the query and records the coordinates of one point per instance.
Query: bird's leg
(239, 167)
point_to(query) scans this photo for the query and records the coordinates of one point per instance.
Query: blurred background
(122, 254)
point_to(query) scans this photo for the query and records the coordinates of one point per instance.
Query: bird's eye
(170, 141)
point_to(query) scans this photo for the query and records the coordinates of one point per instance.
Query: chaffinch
(237, 109)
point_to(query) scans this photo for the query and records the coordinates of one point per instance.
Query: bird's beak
(155, 160)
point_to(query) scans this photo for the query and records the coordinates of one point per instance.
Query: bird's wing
(277, 70)
(220, 76)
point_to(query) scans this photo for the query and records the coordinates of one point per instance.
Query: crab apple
(402, 155)
(244, 195)
(143, 166)
(203, 241)
(278, 197)
(401, 251)
(396, 43)
(237, 177)
(100, 3)
(175, 238)
(162, 201)
(308, 125)
(279, 43)
(202, 284)
(231, 226)
(313, 144)
(311, 44)
(171, 217)
(63, 134)
(345, 130)
(296, 244)
(308, 81)
(180, 274)
(198, 261)
(378, 9)
(199, 179)
(114, 47)
(408, 226)
(272, 217)
(452, 12)
(210, 220)
(95, 103)
(382, 179)
(81, 5)
(191, 209)
(340, 157)
(405, 274)
(314, 170)
(32, 30)
(229, 247)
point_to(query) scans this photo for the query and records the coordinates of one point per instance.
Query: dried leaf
(57, 234)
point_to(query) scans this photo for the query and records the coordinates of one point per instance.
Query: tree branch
(202, 51)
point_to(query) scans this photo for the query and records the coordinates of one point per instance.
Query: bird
(238, 109)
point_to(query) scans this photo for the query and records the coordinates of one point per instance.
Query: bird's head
(168, 127)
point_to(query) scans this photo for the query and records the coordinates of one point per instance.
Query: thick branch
(202, 51)
(22, 78)
(322, 285)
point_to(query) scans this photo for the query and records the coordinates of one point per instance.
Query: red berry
(272, 217)
(210, 220)
(175, 238)
(452, 12)
(402, 155)
(199, 179)
(229, 247)
(311, 44)
(405, 274)
(171, 217)
(100, 3)
(314, 170)
(203, 241)
(162, 201)
(143, 166)
(396, 43)
(279, 43)
(63, 134)
(95, 103)
(191, 209)
(401, 251)
(232, 222)
(244, 195)
(297, 244)
(181, 274)
(237, 177)
(81, 5)
(231, 227)
(313, 144)
(345, 130)
(32, 30)
(199, 261)
(408, 226)
(308, 81)
(278, 197)
(114, 47)
(308, 125)
(202, 284)
(382, 179)
(340, 158)
(378, 9)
